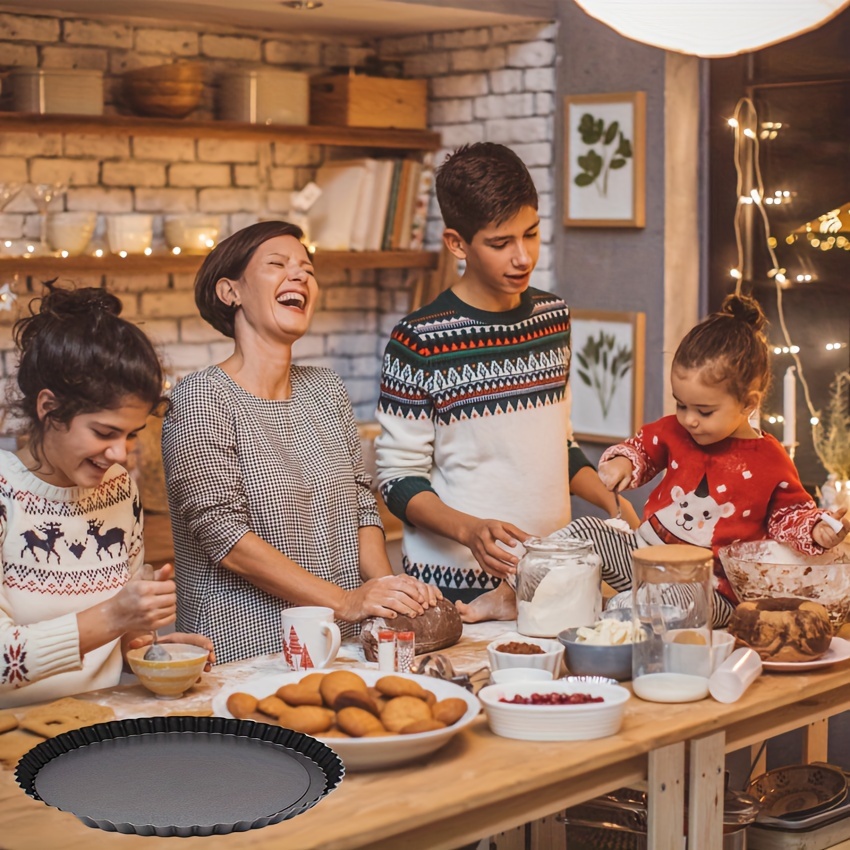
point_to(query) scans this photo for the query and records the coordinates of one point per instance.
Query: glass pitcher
(671, 603)
(558, 585)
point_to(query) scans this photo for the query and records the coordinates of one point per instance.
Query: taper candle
(789, 407)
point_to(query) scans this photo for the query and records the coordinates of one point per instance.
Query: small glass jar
(386, 650)
(671, 603)
(405, 651)
(558, 585)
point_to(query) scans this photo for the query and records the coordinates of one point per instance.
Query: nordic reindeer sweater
(63, 550)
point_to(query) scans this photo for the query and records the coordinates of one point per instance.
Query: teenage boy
(476, 449)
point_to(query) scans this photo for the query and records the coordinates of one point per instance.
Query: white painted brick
(351, 321)
(129, 304)
(183, 281)
(434, 232)
(219, 351)
(403, 45)
(283, 178)
(544, 261)
(95, 33)
(351, 298)
(278, 202)
(504, 106)
(292, 53)
(511, 130)
(401, 304)
(544, 103)
(176, 43)
(123, 60)
(71, 172)
(544, 279)
(119, 283)
(546, 230)
(182, 359)
(536, 154)
(296, 154)
(506, 81)
(428, 64)
(224, 150)
(60, 56)
(19, 55)
(163, 147)
(363, 394)
(166, 200)
(459, 85)
(133, 173)
(13, 169)
(11, 227)
(311, 345)
(198, 174)
(545, 205)
(458, 111)
(26, 28)
(486, 59)
(228, 200)
(353, 345)
(161, 331)
(195, 329)
(100, 199)
(543, 179)
(539, 79)
(30, 144)
(230, 47)
(532, 54)
(102, 147)
(171, 304)
(530, 31)
(462, 38)
(345, 55)
(365, 367)
(455, 135)
(246, 175)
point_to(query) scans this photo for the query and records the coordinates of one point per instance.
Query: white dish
(550, 659)
(839, 650)
(368, 753)
(520, 674)
(554, 722)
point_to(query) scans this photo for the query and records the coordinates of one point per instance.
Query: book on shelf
(380, 203)
(419, 220)
(332, 217)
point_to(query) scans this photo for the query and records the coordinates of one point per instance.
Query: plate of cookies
(372, 719)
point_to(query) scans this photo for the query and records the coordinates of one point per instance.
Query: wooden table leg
(816, 741)
(705, 793)
(666, 788)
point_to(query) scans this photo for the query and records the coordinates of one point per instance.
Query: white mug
(311, 638)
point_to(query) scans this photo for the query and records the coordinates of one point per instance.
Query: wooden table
(480, 784)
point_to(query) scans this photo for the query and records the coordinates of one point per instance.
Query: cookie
(50, 727)
(397, 686)
(422, 726)
(241, 705)
(309, 719)
(335, 683)
(298, 694)
(358, 722)
(195, 712)
(449, 710)
(86, 713)
(402, 711)
(15, 744)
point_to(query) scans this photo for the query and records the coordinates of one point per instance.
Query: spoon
(155, 652)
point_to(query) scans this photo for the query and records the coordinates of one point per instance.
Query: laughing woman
(270, 503)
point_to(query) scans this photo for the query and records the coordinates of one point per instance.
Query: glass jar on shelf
(671, 603)
(558, 585)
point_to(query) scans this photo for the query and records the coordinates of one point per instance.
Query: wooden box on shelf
(355, 100)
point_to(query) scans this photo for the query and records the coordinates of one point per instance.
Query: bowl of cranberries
(554, 711)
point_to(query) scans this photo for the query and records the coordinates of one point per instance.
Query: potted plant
(831, 438)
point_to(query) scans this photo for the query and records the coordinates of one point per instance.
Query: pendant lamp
(712, 28)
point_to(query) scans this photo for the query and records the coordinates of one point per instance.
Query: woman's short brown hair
(229, 259)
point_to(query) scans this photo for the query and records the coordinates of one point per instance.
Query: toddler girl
(723, 480)
(70, 515)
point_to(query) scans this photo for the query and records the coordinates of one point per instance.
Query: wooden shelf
(127, 125)
(188, 264)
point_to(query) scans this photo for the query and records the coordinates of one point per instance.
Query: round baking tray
(180, 776)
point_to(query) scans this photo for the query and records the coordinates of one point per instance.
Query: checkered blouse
(290, 471)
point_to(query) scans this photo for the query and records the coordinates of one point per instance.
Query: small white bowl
(129, 232)
(550, 659)
(509, 675)
(554, 722)
(70, 231)
(192, 233)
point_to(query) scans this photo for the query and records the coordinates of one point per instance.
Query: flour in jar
(566, 597)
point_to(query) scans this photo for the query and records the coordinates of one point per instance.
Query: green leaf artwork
(596, 167)
(602, 366)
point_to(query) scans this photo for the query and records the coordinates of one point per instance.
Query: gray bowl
(589, 659)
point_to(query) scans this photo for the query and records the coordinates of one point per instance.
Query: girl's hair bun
(74, 302)
(745, 309)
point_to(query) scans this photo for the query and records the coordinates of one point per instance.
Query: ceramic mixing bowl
(169, 679)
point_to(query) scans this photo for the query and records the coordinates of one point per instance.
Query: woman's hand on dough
(386, 597)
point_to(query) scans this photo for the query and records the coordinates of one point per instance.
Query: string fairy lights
(751, 196)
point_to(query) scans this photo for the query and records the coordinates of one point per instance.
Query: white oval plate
(839, 650)
(368, 753)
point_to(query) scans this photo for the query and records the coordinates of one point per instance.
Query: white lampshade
(712, 27)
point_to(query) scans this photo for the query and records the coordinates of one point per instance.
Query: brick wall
(491, 84)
